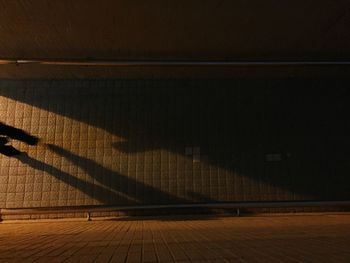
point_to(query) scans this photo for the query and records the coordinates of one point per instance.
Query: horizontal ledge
(167, 63)
(235, 205)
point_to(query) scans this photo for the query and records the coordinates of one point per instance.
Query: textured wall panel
(175, 141)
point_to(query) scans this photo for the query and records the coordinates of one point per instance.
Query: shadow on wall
(7, 132)
(97, 192)
(235, 124)
(113, 189)
(134, 192)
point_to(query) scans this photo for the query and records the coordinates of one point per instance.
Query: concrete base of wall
(171, 211)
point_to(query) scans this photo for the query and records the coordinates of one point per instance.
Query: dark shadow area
(97, 192)
(8, 150)
(137, 192)
(17, 134)
(7, 132)
(116, 189)
(236, 124)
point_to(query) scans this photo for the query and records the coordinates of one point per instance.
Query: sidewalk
(298, 238)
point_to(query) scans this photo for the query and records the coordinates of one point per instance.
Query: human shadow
(6, 132)
(135, 191)
(116, 194)
(97, 192)
(236, 123)
(140, 192)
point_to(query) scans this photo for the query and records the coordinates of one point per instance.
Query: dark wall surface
(165, 29)
(158, 30)
(126, 142)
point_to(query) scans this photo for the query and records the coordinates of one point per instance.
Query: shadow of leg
(18, 134)
(9, 151)
(135, 190)
(94, 191)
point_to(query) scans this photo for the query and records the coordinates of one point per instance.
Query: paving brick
(304, 238)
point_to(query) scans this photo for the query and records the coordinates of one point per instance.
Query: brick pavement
(298, 238)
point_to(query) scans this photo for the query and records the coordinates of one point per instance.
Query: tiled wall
(174, 141)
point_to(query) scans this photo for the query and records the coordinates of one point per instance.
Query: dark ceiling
(164, 29)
